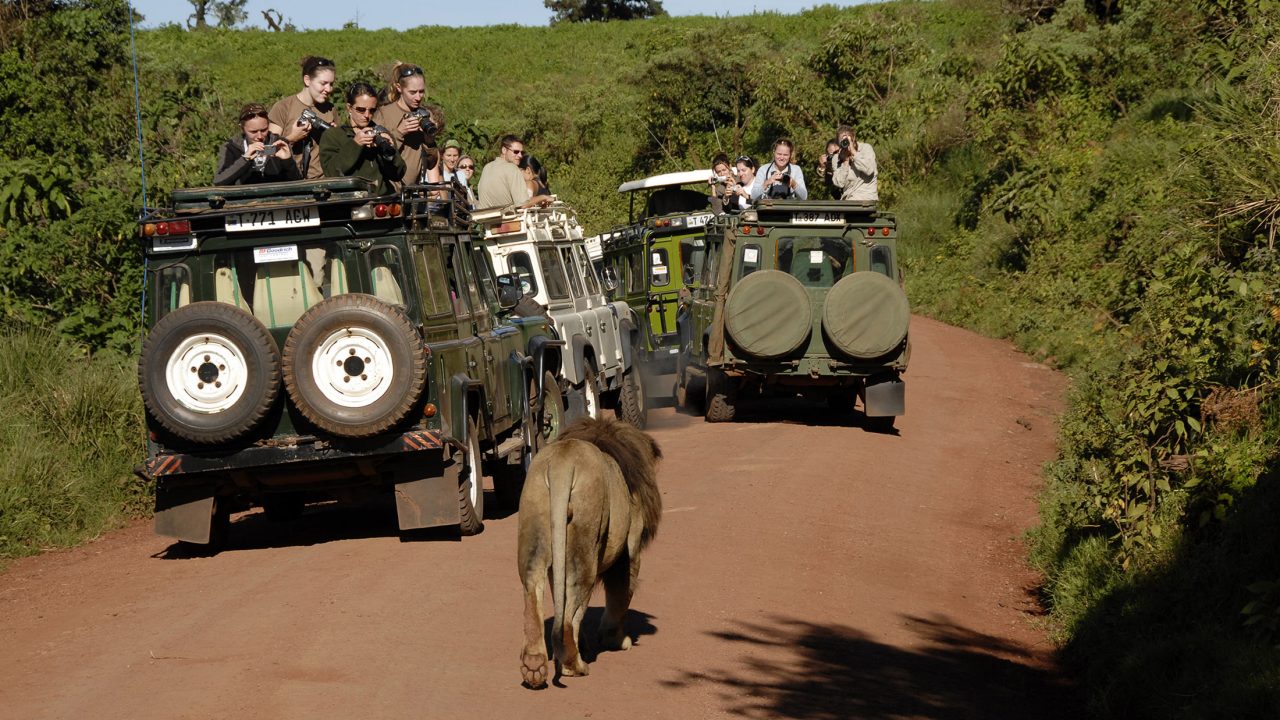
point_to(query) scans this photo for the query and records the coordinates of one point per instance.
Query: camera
(260, 161)
(317, 123)
(382, 140)
(724, 179)
(844, 143)
(781, 189)
(424, 120)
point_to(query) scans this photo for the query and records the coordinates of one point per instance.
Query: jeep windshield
(817, 262)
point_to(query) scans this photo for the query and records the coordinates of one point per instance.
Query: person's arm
(339, 154)
(757, 185)
(844, 176)
(798, 187)
(864, 160)
(231, 167)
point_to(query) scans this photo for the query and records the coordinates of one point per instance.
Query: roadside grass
(72, 433)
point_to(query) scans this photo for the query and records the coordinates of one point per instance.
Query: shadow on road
(797, 410)
(637, 624)
(795, 669)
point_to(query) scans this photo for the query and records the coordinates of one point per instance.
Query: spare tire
(866, 315)
(209, 372)
(767, 314)
(354, 365)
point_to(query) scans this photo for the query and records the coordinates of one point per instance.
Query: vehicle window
(661, 271)
(520, 264)
(692, 250)
(385, 275)
(227, 275)
(588, 270)
(814, 261)
(636, 281)
(484, 276)
(431, 278)
(748, 260)
(553, 273)
(173, 289)
(880, 260)
(575, 280)
(282, 291)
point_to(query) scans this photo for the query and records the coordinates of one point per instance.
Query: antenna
(664, 147)
(716, 130)
(142, 163)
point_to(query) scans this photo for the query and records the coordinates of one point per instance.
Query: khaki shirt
(285, 113)
(413, 146)
(502, 184)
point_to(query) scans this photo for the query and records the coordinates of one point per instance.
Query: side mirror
(509, 296)
(509, 290)
(609, 279)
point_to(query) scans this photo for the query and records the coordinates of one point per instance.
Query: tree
(227, 13)
(602, 10)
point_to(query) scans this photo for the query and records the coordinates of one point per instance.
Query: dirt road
(805, 568)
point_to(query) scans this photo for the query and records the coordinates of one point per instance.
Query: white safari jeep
(542, 250)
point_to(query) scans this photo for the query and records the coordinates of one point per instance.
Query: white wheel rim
(206, 374)
(352, 367)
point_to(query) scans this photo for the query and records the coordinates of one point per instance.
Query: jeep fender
(546, 354)
(628, 338)
(578, 351)
(463, 389)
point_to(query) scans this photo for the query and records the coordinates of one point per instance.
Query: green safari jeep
(308, 341)
(652, 263)
(799, 297)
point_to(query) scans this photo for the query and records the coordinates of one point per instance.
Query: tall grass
(72, 431)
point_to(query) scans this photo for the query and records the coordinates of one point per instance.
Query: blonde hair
(399, 73)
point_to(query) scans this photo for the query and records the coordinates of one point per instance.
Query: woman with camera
(412, 124)
(256, 155)
(362, 148)
(781, 179)
(856, 174)
(301, 119)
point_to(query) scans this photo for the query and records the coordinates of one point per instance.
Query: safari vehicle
(653, 259)
(799, 297)
(544, 250)
(307, 341)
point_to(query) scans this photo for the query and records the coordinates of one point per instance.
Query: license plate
(817, 218)
(698, 220)
(278, 219)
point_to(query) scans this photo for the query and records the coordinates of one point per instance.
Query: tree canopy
(602, 10)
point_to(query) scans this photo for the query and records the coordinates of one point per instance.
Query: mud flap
(886, 398)
(426, 502)
(185, 513)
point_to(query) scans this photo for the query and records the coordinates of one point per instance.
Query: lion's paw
(615, 640)
(577, 668)
(534, 670)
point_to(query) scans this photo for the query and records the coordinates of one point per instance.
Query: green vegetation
(72, 432)
(1097, 180)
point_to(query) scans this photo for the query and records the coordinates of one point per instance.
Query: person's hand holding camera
(364, 137)
(409, 124)
(300, 130)
(252, 150)
(283, 150)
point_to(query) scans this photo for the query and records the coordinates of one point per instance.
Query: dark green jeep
(652, 263)
(308, 341)
(799, 297)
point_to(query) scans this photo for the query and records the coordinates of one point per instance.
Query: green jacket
(340, 156)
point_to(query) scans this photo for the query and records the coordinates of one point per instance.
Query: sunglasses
(409, 70)
(516, 152)
(324, 62)
(466, 167)
(363, 110)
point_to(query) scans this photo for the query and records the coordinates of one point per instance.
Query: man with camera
(855, 167)
(781, 179)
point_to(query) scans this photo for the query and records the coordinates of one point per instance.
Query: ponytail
(399, 72)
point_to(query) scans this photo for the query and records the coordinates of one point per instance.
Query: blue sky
(318, 14)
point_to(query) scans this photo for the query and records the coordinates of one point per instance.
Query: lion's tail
(560, 482)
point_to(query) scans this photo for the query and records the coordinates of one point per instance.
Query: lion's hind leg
(619, 586)
(577, 597)
(533, 659)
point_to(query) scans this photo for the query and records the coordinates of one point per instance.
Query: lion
(590, 505)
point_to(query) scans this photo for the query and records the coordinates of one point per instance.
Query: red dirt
(805, 568)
